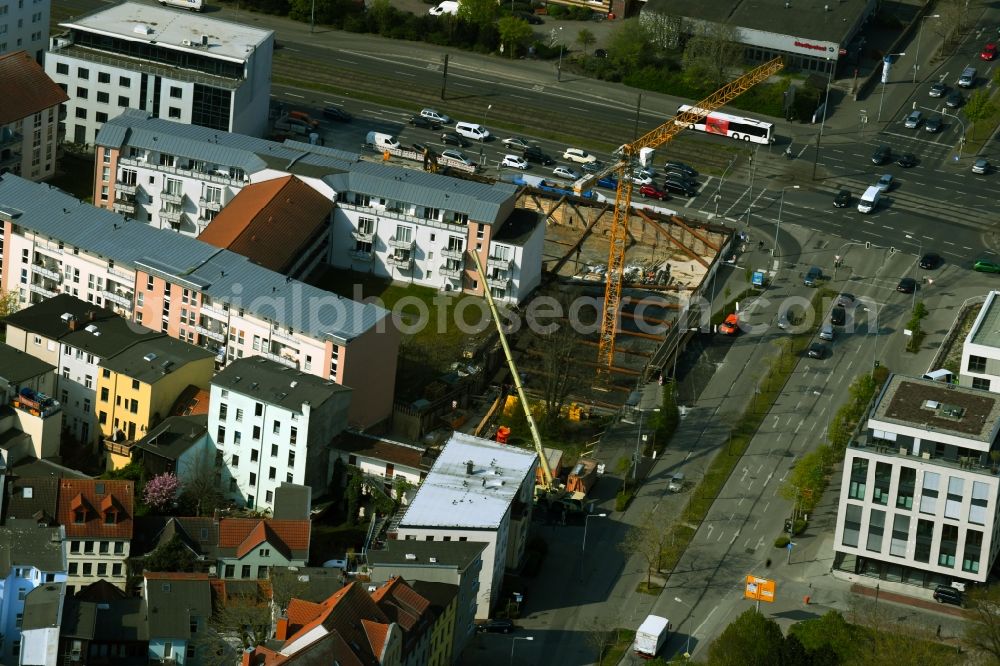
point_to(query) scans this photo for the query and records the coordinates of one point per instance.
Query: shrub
(782, 541)
(622, 499)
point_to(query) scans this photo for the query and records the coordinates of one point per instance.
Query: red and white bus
(735, 127)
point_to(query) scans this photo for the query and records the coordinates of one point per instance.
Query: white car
(431, 114)
(640, 178)
(981, 166)
(514, 162)
(578, 155)
(565, 172)
(457, 155)
(517, 142)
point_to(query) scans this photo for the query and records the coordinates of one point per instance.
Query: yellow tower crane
(623, 196)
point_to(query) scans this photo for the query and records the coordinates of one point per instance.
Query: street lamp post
(920, 253)
(559, 66)
(513, 642)
(718, 187)
(482, 139)
(586, 519)
(884, 77)
(822, 125)
(916, 60)
(781, 206)
(687, 651)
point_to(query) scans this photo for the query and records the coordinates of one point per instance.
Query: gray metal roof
(31, 546)
(223, 275)
(174, 435)
(488, 204)
(450, 554)
(172, 600)
(41, 607)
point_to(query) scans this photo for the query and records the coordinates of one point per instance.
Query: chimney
(281, 632)
(72, 324)
(91, 315)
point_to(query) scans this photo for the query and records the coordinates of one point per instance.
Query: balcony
(172, 197)
(171, 216)
(53, 249)
(362, 236)
(291, 363)
(453, 253)
(216, 311)
(209, 333)
(453, 272)
(124, 206)
(277, 334)
(977, 464)
(49, 273)
(118, 299)
(39, 289)
(121, 273)
(361, 255)
(399, 261)
(118, 448)
(126, 188)
(400, 244)
(498, 281)
(497, 262)
(208, 204)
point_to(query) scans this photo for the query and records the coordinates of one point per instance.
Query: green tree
(353, 494)
(982, 632)
(751, 640)
(979, 107)
(514, 32)
(629, 45)
(480, 12)
(174, 555)
(383, 15)
(585, 38)
(8, 303)
(711, 53)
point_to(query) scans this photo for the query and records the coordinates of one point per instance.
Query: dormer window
(110, 517)
(80, 516)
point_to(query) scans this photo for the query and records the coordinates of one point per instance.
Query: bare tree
(244, 617)
(200, 488)
(983, 632)
(599, 637)
(646, 539)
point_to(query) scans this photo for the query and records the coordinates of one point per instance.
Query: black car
(592, 167)
(838, 316)
(675, 174)
(500, 626)
(450, 138)
(817, 350)
(938, 89)
(337, 113)
(907, 285)
(420, 121)
(842, 200)
(906, 160)
(954, 100)
(533, 19)
(535, 154)
(930, 261)
(881, 155)
(680, 166)
(419, 147)
(945, 594)
(675, 186)
(933, 125)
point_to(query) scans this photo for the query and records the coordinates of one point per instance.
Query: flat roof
(415, 553)
(947, 408)
(276, 384)
(18, 367)
(172, 28)
(150, 361)
(451, 496)
(813, 19)
(986, 329)
(174, 435)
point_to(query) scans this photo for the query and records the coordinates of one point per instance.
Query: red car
(731, 325)
(652, 192)
(989, 52)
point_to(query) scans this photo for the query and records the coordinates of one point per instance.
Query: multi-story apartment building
(24, 25)
(179, 606)
(34, 426)
(195, 292)
(29, 120)
(97, 517)
(417, 227)
(76, 337)
(477, 490)
(183, 67)
(137, 387)
(918, 499)
(981, 350)
(32, 556)
(272, 425)
(180, 177)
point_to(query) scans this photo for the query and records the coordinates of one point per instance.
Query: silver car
(913, 120)
(565, 172)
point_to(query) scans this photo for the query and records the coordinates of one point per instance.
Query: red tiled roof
(301, 613)
(271, 223)
(351, 613)
(376, 633)
(193, 401)
(82, 493)
(381, 449)
(35, 90)
(245, 534)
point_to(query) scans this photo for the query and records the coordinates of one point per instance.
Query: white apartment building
(482, 491)
(29, 120)
(272, 425)
(416, 227)
(194, 292)
(176, 65)
(179, 177)
(24, 25)
(918, 498)
(981, 350)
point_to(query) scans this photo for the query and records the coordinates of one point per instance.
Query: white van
(380, 141)
(472, 131)
(446, 7)
(193, 5)
(869, 200)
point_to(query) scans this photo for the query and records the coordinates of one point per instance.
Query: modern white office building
(177, 65)
(918, 498)
(273, 424)
(477, 490)
(24, 26)
(981, 351)
(418, 227)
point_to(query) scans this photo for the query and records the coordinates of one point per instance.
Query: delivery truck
(651, 636)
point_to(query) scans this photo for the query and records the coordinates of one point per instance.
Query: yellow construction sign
(760, 589)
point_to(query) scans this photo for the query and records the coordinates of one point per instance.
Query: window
(277, 427)
(82, 73)
(973, 551)
(220, 437)
(102, 569)
(977, 363)
(81, 113)
(953, 503)
(116, 570)
(119, 547)
(876, 528)
(258, 409)
(256, 433)
(223, 410)
(293, 435)
(239, 414)
(264, 552)
(981, 383)
(929, 493)
(124, 82)
(103, 97)
(949, 545)
(173, 112)
(272, 473)
(81, 93)
(88, 568)
(149, 282)
(253, 479)
(852, 525)
(135, 384)
(61, 68)
(900, 535)
(269, 496)
(291, 458)
(230, 570)
(261, 572)
(122, 101)
(74, 546)
(236, 460)
(88, 381)
(245, 571)
(88, 547)
(274, 450)
(73, 568)
(859, 478)
(254, 454)
(883, 479)
(176, 92)
(980, 498)
(19, 620)
(907, 483)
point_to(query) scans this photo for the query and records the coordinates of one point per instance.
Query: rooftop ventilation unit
(66, 316)
(149, 358)
(91, 329)
(411, 556)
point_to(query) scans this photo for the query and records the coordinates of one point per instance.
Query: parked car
(845, 300)
(930, 261)
(730, 325)
(600, 53)
(989, 52)
(675, 186)
(420, 121)
(337, 113)
(457, 155)
(498, 626)
(640, 178)
(817, 350)
(954, 100)
(838, 315)
(653, 192)
(906, 285)
(933, 125)
(578, 155)
(514, 162)
(535, 154)
(913, 120)
(592, 167)
(517, 142)
(881, 155)
(938, 89)
(981, 166)
(609, 182)
(906, 160)
(986, 266)
(431, 114)
(945, 594)
(680, 175)
(842, 200)
(812, 276)
(532, 19)
(680, 166)
(565, 172)
(452, 139)
(884, 183)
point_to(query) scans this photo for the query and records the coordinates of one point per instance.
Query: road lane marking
(294, 95)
